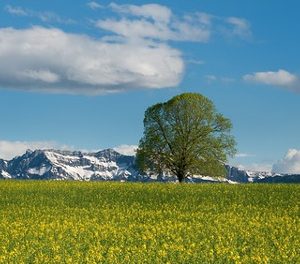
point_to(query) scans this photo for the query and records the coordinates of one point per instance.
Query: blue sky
(80, 74)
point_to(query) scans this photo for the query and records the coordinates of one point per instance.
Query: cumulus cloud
(280, 78)
(136, 52)
(129, 150)
(11, 149)
(289, 164)
(41, 75)
(50, 60)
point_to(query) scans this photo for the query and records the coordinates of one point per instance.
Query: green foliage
(185, 136)
(105, 222)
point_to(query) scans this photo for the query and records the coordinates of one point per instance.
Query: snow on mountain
(67, 165)
(108, 165)
(245, 176)
(5, 174)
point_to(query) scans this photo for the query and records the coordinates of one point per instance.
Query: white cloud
(129, 150)
(16, 10)
(243, 155)
(289, 164)
(137, 55)
(11, 149)
(205, 18)
(210, 78)
(45, 16)
(279, 78)
(256, 167)
(50, 60)
(94, 5)
(240, 27)
(142, 28)
(135, 28)
(154, 11)
(52, 18)
(190, 31)
(156, 22)
(41, 75)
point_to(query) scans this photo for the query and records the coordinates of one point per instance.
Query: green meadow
(109, 222)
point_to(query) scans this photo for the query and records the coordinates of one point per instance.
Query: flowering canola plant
(110, 222)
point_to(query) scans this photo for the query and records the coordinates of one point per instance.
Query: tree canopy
(185, 136)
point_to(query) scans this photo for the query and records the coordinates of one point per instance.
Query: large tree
(185, 136)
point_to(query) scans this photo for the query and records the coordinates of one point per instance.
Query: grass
(105, 222)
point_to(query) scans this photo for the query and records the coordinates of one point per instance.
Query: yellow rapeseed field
(107, 222)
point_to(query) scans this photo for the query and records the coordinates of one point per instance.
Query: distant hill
(109, 165)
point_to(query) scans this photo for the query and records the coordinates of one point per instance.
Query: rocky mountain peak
(107, 164)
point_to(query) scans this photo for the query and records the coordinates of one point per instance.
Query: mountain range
(109, 165)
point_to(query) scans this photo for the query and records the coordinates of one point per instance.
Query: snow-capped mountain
(67, 165)
(237, 175)
(108, 165)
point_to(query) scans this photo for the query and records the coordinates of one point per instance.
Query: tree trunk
(180, 177)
